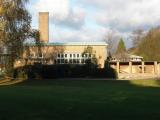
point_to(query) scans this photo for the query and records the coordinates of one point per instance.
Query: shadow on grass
(81, 100)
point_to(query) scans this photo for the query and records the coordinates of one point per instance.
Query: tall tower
(44, 26)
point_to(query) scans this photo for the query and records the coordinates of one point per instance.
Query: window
(82, 61)
(55, 61)
(59, 55)
(62, 61)
(70, 61)
(58, 61)
(40, 55)
(74, 61)
(66, 61)
(77, 55)
(74, 58)
(78, 61)
(87, 61)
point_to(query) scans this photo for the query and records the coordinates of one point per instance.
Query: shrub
(39, 71)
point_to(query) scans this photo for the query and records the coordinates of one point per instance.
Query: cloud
(61, 13)
(90, 20)
(82, 35)
(74, 20)
(126, 15)
(57, 8)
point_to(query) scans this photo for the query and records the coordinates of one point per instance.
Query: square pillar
(142, 67)
(159, 68)
(130, 67)
(155, 67)
(118, 68)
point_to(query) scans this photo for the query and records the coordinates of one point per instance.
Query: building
(62, 53)
(129, 57)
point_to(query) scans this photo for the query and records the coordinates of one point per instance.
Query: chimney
(44, 26)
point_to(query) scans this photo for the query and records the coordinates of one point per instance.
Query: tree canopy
(111, 38)
(89, 50)
(121, 48)
(14, 26)
(149, 47)
(137, 36)
(121, 52)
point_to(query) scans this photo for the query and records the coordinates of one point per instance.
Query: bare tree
(137, 36)
(51, 52)
(111, 39)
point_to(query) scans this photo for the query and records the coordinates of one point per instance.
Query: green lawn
(81, 100)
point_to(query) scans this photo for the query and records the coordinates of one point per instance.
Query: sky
(93, 20)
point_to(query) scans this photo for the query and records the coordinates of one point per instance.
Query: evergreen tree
(121, 52)
(121, 48)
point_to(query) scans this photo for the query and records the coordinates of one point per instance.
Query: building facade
(66, 53)
(62, 53)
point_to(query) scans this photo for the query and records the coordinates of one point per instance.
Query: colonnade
(156, 66)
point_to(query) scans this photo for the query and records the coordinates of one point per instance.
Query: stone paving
(139, 76)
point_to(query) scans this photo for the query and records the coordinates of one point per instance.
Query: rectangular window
(62, 61)
(55, 61)
(74, 55)
(87, 61)
(70, 55)
(82, 61)
(58, 61)
(78, 61)
(40, 55)
(66, 61)
(74, 61)
(59, 55)
(65, 55)
(70, 61)
(77, 55)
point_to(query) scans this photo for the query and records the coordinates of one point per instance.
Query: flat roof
(71, 44)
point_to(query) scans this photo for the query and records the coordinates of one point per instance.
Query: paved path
(138, 76)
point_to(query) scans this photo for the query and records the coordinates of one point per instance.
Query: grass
(81, 100)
